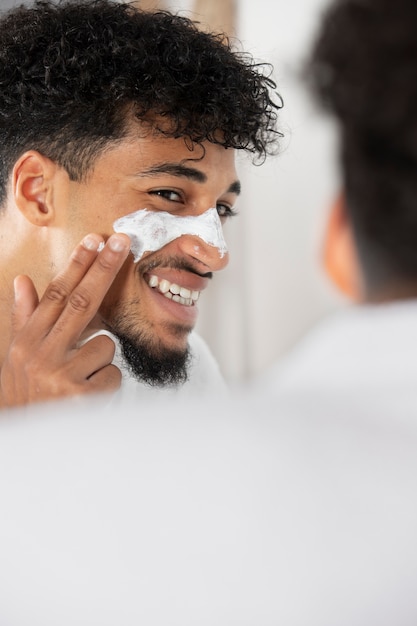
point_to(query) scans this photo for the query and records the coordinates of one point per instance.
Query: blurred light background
(274, 288)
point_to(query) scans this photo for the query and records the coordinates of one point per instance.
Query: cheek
(91, 212)
(62, 244)
(122, 290)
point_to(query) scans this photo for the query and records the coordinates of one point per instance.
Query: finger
(59, 290)
(40, 317)
(66, 285)
(106, 379)
(25, 302)
(93, 355)
(86, 298)
(29, 377)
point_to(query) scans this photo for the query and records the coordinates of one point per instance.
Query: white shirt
(362, 352)
(204, 377)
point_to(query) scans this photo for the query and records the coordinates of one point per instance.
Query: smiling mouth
(173, 291)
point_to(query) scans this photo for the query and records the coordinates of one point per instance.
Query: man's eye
(225, 211)
(167, 194)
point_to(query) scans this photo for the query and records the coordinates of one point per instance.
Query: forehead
(152, 154)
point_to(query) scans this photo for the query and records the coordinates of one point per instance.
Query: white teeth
(164, 286)
(174, 292)
(185, 293)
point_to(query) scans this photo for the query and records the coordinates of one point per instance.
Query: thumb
(25, 302)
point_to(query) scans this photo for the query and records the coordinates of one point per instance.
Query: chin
(156, 356)
(157, 367)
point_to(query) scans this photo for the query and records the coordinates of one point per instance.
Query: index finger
(72, 299)
(86, 297)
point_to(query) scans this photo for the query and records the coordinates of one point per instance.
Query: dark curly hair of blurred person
(363, 69)
(72, 73)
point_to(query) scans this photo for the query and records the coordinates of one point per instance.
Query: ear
(339, 252)
(33, 180)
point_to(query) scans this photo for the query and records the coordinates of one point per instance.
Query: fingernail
(117, 243)
(91, 243)
(16, 287)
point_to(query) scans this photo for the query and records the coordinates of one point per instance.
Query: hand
(44, 361)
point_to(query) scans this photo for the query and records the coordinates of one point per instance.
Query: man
(363, 70)
(106, 110)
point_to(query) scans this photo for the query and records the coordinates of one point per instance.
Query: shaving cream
(151, 230)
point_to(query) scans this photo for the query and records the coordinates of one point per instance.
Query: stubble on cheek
(125, 312)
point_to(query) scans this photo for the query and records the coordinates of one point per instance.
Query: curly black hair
(71, 71)
(363, 69)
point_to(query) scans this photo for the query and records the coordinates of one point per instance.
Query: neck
(6, 308)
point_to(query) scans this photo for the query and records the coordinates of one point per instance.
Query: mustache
(173, 263)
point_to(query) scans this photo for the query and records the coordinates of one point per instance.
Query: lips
(173, 291)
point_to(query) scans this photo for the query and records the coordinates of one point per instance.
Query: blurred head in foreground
(363, 70)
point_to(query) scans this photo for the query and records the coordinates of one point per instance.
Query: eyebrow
(235, 188)
(177, 169)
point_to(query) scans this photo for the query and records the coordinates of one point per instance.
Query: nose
(203, 240)
(213, 258)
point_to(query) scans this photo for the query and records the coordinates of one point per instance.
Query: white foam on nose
(151, 230)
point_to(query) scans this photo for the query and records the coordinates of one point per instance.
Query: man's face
(158, 174)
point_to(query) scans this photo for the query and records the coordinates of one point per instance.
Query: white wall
(275, 289)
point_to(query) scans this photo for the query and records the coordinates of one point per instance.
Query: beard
(147, 359)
